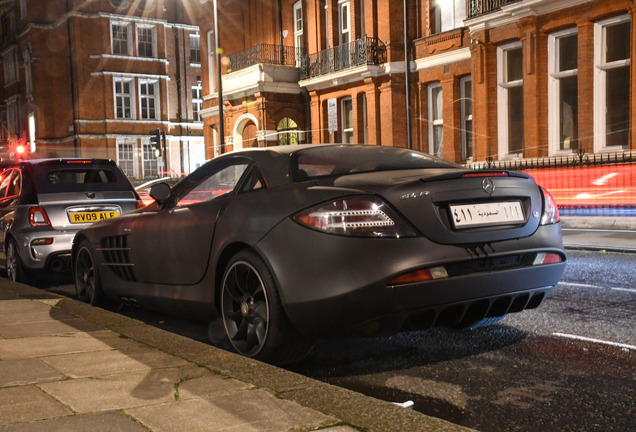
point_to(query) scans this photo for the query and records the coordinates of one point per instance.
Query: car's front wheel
(87, 281)
(15, 269)
(253, 317)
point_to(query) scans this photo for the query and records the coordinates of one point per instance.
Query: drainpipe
(407, 76)
(219, 84)
(72, 77)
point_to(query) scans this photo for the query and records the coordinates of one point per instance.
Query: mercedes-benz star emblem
(488, 186)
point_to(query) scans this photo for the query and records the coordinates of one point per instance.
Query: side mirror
(160, 192)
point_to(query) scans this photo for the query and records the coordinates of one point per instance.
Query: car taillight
(550, 210)
(364, 216)
(547, 258)
(421, 275)
(38, 217)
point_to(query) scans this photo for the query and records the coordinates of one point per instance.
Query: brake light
(486, 174)
(38, 217)
(420, 276)
(550, 209)
(356, 216)
(547, 258)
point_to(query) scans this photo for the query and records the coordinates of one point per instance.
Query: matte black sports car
(288, 244)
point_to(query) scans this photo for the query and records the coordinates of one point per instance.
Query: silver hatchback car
(44, 202)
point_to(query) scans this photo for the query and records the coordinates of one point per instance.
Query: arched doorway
(244, 135)
(287, 130)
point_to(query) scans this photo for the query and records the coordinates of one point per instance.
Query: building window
(13, 116)
(146, 41)
(298, 31)
(612, 83)
(23, 9)
(287, 132)
(510, 99)
(148, 99)
(346, 110)
(212, 61)
(150, 161)
(126, 158)
(124, 98)
(344, 21)
(447, 15)
(466, 112)
(195, 49)
(197, 100)
(28, 76)
(8, 61)
(562, 91)
(120, 37)
(435, 120)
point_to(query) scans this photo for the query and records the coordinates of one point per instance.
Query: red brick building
(490, 79)
(92, 78)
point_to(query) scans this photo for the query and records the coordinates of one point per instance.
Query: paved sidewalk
(600, 233)
(65, 365)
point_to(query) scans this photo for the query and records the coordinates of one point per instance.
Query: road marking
(580, 285)
(599, 341)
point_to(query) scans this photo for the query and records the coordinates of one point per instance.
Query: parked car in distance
(44, 202)
(286, 245)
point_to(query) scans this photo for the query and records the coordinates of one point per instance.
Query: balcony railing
(475, 8)
(363, 51)
(263, 54)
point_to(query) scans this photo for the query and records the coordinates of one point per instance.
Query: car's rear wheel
(253, 317)
(15, 269)
(87, 282)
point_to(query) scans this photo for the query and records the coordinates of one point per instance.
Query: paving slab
(26, 404)
(101, 422)
(16, 372)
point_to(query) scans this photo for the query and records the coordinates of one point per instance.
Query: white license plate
(498, 213)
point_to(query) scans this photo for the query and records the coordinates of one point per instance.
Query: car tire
(13, 264)
(253, 317)
(86, 275)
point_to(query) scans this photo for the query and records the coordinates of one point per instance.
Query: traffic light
(155, 139)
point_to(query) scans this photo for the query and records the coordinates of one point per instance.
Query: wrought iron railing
(359, 52)
(476, 8)
(264, 54)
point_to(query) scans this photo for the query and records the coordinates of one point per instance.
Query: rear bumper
(353, 296)
(54, 256)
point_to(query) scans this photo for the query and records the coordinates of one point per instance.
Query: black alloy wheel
(253, 317)
(87, 283)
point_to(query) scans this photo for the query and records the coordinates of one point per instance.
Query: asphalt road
(568, 366)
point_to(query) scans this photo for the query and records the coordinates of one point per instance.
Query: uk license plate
(92, 216)
(486, 214)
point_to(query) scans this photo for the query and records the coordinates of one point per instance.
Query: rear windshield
(347, 159)
(73, 178)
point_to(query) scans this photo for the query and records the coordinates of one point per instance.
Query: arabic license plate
(92, 216)
(499, 213)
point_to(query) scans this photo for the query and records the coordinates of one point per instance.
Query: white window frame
(346, 131)
(149, 160)
(344, 21)
(154, 99)
(153, 42)
(128, 37)
(125, 162)
(211, 62)
(433, 121)
(130, 96)
(298, 31)
(9, 63)
(451, 14)
(600, 84)
(466, 117)
(554, 91)
(503, 88)
(195, 47)
(197, 101)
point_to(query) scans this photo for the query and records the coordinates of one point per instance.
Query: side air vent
(116, 257)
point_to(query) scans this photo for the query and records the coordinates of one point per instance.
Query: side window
(5, 180)
(253, 182)
(15, 184)
(220, 182)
